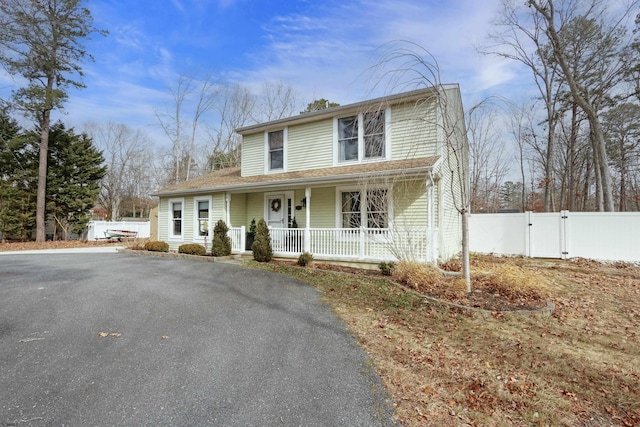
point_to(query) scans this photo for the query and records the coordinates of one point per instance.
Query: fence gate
(546, 235)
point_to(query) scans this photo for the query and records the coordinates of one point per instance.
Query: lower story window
(176, 210)
(370, 204)
(203, 218)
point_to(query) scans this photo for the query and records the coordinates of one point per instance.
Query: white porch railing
(348, 244)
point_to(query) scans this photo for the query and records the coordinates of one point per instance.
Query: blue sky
(320, 48)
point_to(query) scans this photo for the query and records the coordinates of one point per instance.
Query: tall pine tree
(18, 169)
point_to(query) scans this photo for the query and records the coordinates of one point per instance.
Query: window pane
(351, 209)
(377, 209)
(374, 134)
(275, 160)
(276, 140)
(349, 150)
(177, 227)
(203, 209)
(348, 127)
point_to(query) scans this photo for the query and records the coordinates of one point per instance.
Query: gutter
(299, 181)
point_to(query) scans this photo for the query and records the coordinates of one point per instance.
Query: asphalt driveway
(187, 344)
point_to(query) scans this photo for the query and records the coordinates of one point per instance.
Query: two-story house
(371, 181)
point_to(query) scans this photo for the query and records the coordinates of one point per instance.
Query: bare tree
(521, 37)
(603, 55)
(129, 158)
(488, 157)
(406, 65)
(275, 101)
(234, 106)
(192, 99)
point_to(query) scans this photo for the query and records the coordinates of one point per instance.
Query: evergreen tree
(74, 174)
(261, 247)
(221, 243)
(18, 168)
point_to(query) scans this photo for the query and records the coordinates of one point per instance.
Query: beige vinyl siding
(163, 218)
(218, 207)
(255, 207)
(413, 132)
(238, 214)
(253, 154)
(310, 146)
(410, 205)
(323, 207)
(454, 184)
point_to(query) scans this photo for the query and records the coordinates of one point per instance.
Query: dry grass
(445, 367)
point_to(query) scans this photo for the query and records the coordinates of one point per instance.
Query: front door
(276, 208)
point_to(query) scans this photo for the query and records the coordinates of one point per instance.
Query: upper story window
(362, 137)
(348, 138)
(275, 141)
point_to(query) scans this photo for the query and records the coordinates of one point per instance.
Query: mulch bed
(482, 297)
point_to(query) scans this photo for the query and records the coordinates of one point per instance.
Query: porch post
(227, 198)
(307, 225)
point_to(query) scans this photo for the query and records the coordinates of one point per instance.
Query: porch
(347, 244)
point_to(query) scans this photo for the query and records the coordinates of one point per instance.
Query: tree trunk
(466, 268)
(600, 150)
(548, 167)
(42, 176)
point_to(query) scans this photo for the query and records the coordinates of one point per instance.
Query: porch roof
(230, 179)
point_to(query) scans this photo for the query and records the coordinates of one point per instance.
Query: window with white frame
(275, 142)
(371, 204)
(361, 137)
(175, 218)
(202, 212)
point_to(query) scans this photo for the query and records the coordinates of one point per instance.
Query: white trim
(288, 195)
(170, 236)
(267, 158)
(361, 149)
(196, 224)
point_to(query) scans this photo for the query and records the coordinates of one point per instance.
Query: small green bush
(386, 268)
(156, 246)
(221, 243)
(305, 259)
(192, 249)
(261, 248)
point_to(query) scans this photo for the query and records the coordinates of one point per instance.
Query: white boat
(118, 234)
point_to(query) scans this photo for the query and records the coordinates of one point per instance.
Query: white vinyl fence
(607, 236)
(97, 229)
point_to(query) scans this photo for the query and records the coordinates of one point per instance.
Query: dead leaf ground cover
(449, 367)
(62, 244)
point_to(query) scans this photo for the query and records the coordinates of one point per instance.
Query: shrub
(305, 259)
(157, 246)
(221, 243)
(252, 229)
(516, 282)
(416, 274)
(192, 249)
(451, 265)
(386, 268)
(261, 247)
